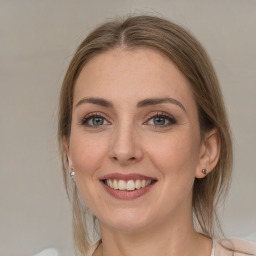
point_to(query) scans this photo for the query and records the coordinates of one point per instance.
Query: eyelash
(171, 120)
(89, 117)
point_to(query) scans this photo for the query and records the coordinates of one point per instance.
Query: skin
(129, 140)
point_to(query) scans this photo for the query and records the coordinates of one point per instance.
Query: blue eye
(161, 120)
(94, 121)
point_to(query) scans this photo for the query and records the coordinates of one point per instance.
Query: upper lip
(126, 177)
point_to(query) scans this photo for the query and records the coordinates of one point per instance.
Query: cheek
(174, 152)
(176, 158)
(87, 152)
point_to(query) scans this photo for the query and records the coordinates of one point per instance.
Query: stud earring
(204, 171)
(72, 173)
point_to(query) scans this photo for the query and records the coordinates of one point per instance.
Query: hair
(191, 59)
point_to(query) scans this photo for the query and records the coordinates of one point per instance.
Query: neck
(176, 237)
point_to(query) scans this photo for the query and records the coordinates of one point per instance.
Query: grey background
(37, 40)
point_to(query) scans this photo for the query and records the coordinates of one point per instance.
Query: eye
(161, 120)
(94, 120)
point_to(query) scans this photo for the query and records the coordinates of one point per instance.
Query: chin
(127, 222)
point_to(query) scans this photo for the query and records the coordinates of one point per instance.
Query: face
(135, 139)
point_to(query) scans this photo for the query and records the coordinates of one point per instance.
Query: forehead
(132, 74)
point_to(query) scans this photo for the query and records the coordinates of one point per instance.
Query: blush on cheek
(175, 157)
(84, 163)
(86, 158)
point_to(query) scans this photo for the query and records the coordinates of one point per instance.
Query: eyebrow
(156, 101)
(144, 103)
(96, 101)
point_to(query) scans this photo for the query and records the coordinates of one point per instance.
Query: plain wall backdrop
(37, 40)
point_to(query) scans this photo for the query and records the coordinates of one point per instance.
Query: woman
(144, 134)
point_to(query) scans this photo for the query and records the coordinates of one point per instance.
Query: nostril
(131, 159)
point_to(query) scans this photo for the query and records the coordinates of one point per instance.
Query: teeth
(130, 185)
(137, 184)
(122, 185)
(148, 182)
(127, 185)
(110, 183)
(115, 184)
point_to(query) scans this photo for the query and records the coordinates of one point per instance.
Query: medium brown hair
(191, 59)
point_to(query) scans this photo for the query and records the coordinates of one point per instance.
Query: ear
(209, 153)
(67, 150)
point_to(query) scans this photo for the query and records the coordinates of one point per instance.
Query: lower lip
(125, 194)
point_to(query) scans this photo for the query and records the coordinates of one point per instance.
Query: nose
(126, 146)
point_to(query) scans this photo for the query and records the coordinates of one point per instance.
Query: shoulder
(239, 246)
(94, 249)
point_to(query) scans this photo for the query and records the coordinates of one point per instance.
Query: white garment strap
(213, 246)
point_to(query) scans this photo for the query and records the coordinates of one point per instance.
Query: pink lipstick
(127, 186)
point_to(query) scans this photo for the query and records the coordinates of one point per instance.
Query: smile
(129, 185)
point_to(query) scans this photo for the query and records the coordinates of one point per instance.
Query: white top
(213, 246)
(239, 247)
(222, 247)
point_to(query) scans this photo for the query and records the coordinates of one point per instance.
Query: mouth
(129, 185)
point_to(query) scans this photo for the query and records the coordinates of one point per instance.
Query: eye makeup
(94, 120)
(160, 119)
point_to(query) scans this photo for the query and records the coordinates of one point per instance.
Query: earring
(72, 173)
(204, 171)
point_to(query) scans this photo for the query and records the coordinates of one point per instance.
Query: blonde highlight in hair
(191, 59)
